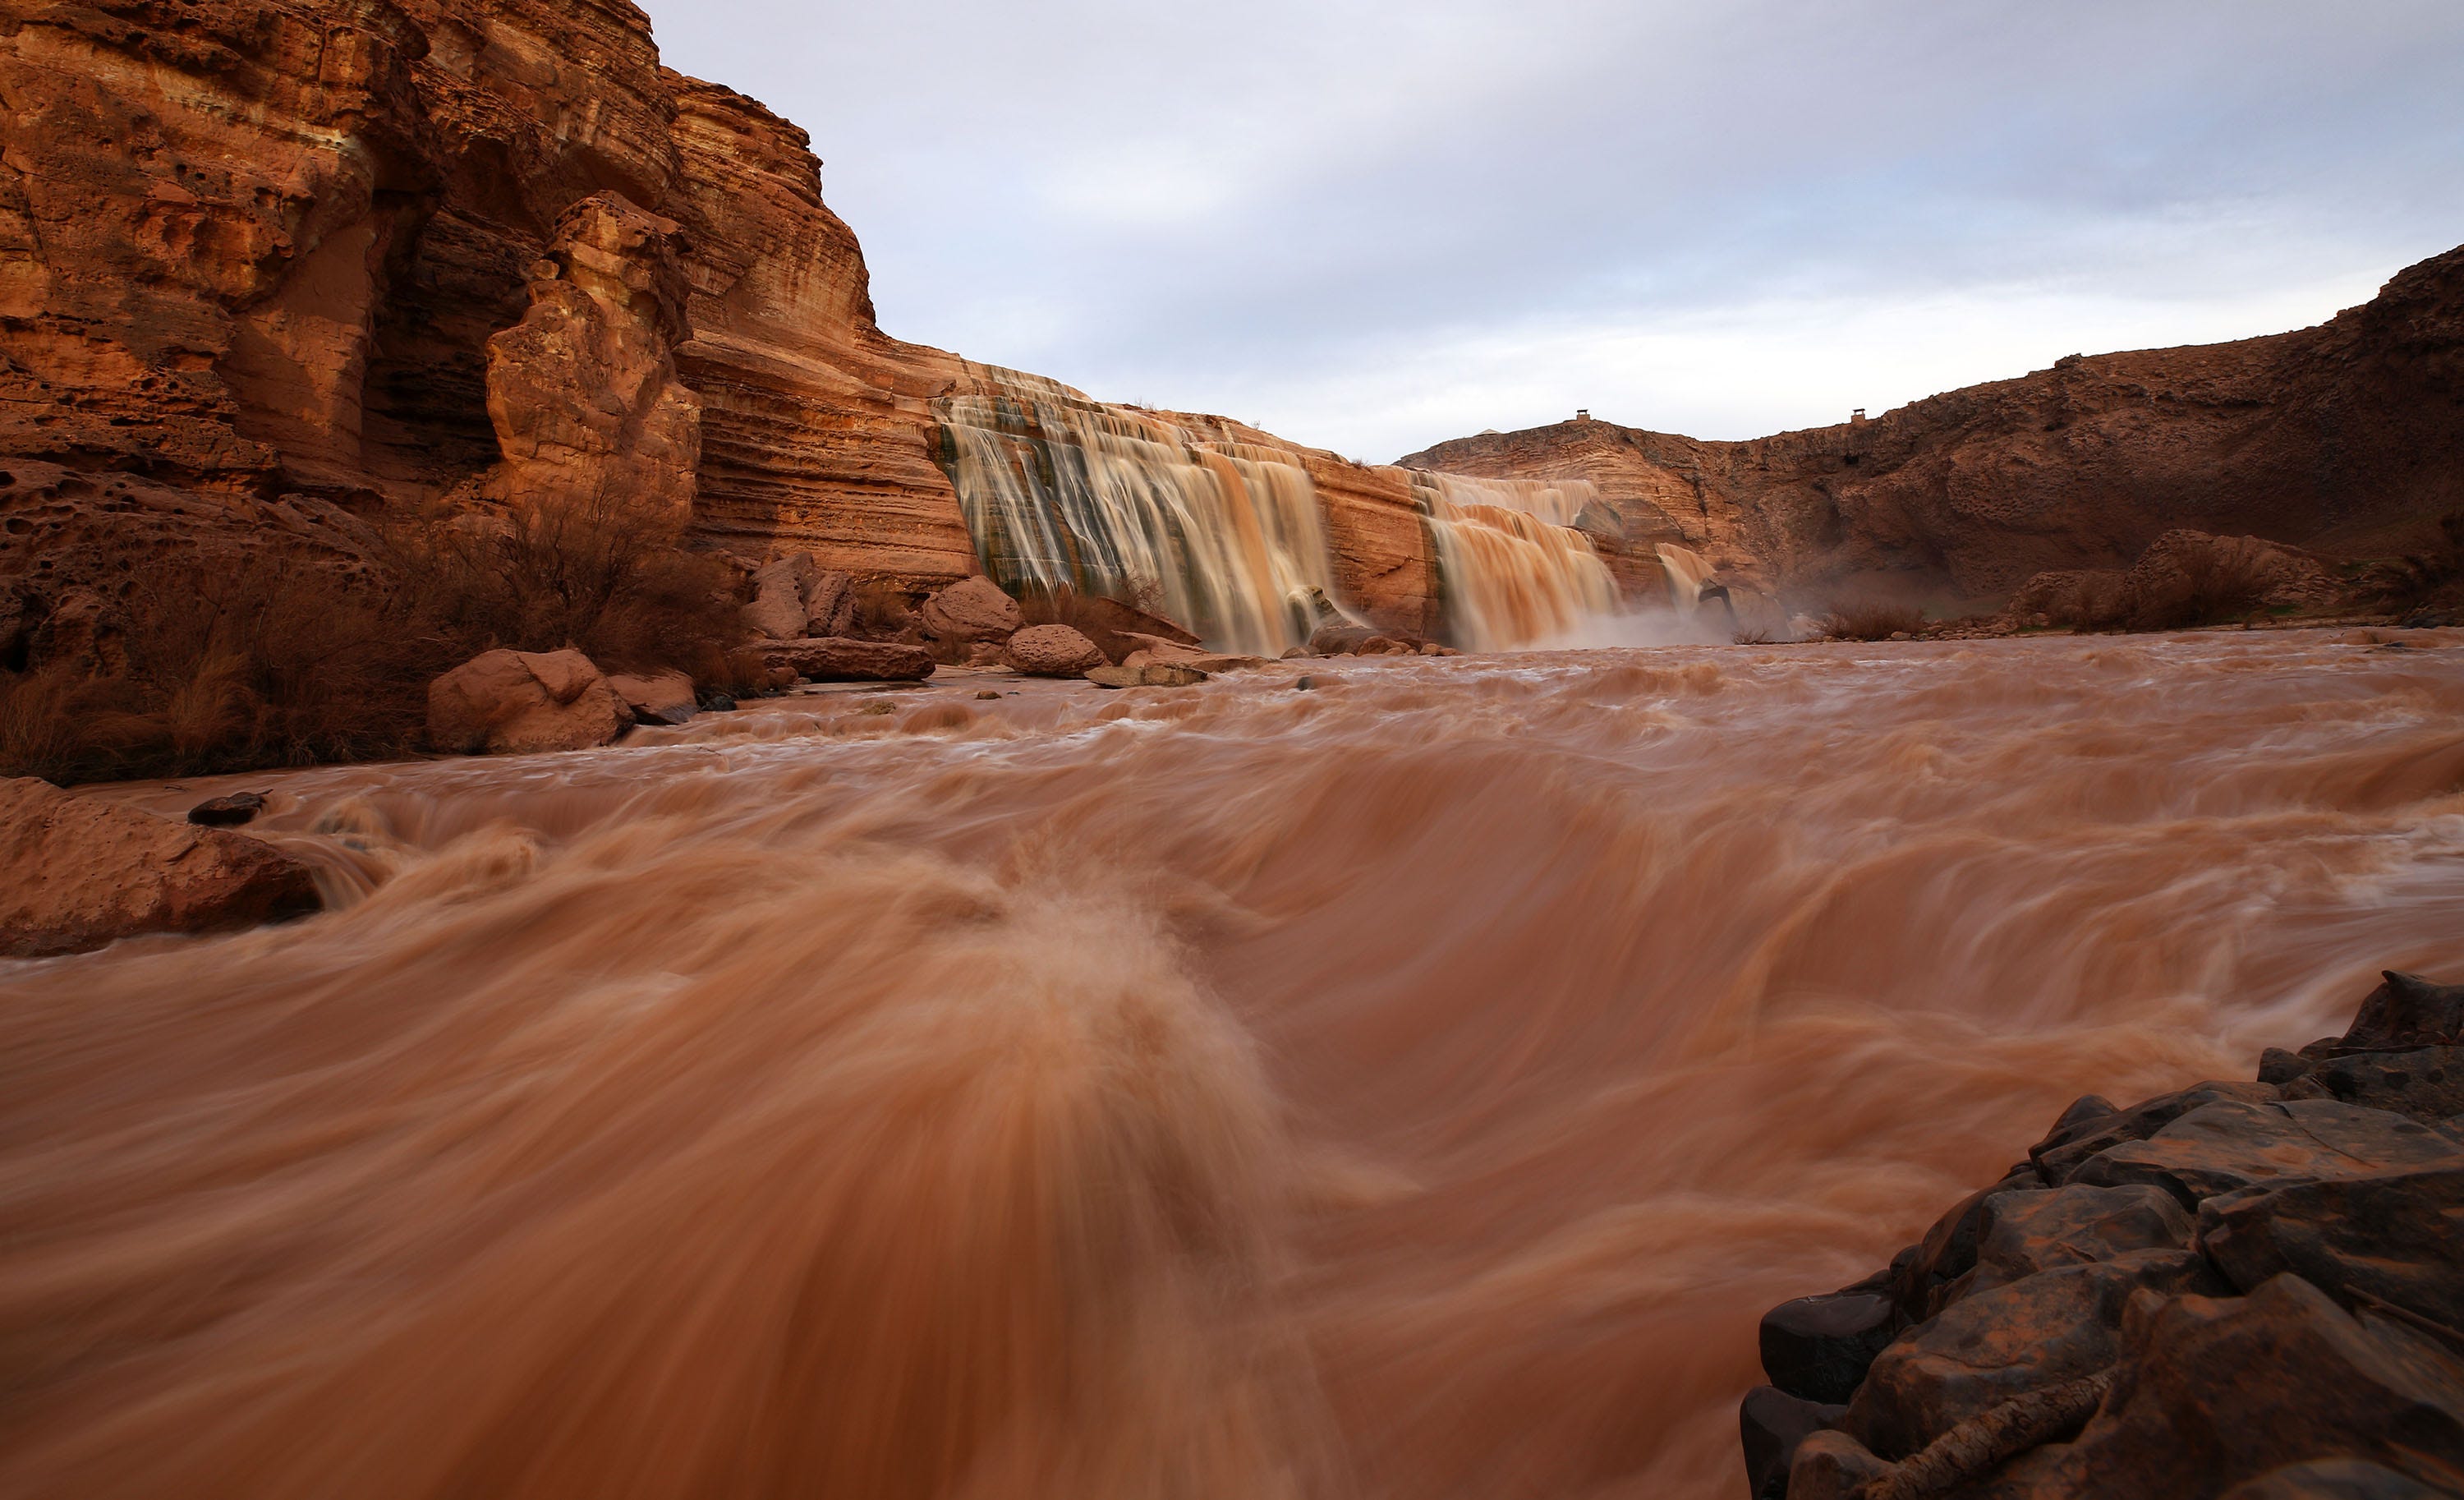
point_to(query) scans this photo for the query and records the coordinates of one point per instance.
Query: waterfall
(1061, 492)
(1513, 568)
(1687, 572)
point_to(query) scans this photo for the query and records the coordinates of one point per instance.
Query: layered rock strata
(2347, 438)
(289, 266)
(2245, 1290)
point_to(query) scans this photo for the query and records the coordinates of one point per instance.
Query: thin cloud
(1376, 226)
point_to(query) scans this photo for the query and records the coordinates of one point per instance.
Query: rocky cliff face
(288, 265)
(2347, 438)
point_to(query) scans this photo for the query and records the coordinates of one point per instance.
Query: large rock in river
(836, 658)
(506, 702)
(1052, 651)
(77, 872)
(971, 610)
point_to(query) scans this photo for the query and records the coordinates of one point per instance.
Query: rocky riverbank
(2243, 1289)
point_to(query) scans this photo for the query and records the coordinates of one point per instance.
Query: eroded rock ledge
(2243, 1289)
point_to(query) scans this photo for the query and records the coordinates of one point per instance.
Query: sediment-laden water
(1414, 1086)
(1060, 492)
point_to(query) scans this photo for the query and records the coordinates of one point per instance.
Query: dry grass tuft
(1871, 620)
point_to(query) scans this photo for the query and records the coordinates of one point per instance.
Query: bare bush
(276, 656)
(266, 658)
(1871, 620)
(2433, 576)
(588, 574)
(2207, 586)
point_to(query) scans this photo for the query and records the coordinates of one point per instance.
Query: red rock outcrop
(818, 431)
(77, 872)
(505, 702)
(284, 266)
(2345, 439)
(582, 392)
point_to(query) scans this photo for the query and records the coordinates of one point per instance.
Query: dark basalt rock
(2025, 1234)
(2075, 1329)
(2064, 1152)
(2219, 1148)
(2408, 1011)
(2392, 1241)
(2333, 1479)
(2426, 1084)
(2223, 1389)
(1816, 1347)
(1771, 1423)
(1995, 1346)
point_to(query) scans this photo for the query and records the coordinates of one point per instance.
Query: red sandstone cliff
(283, 264)
(2347, 438)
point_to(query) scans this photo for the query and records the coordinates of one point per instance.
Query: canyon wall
(287, 267)
(280, 265)
(2347, 438)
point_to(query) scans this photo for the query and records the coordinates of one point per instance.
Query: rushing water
(1511, 566)
(1412, 1086)
(1226, 537)
(1058, 491)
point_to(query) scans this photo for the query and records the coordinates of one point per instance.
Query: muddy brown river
(1413, 1085)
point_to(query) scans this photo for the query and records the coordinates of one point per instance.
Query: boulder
(837, 658)
(2407, 1011)
(2222, 1390)
(2391, 1238)
(829, 604)
(1052, 651)
(1124, 676)
(664, 698)
(507, 702)
(2333, 1479)
(1831, 1466)
(77, 872)
(1343, 638)
(1995, 1346)
(1171, 675)
(228, 813)
(1816, 1349)
(1117, 629)
(2083, 1132)
(2023, 1233)
(794, 598)
(2424, 1084)
(971, 610)
(2221, 1147)
(1771, 1424)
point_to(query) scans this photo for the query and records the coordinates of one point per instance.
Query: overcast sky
(1372, 226)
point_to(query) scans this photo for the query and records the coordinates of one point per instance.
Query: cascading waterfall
(1061, 492)
(1513, 568)
(1687, 575)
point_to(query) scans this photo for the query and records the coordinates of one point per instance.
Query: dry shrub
(2091, 600)
(268, 658)
(588, 574)
(1871, 620)
(2208, 586)
(2433, 576)
(276, 656)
